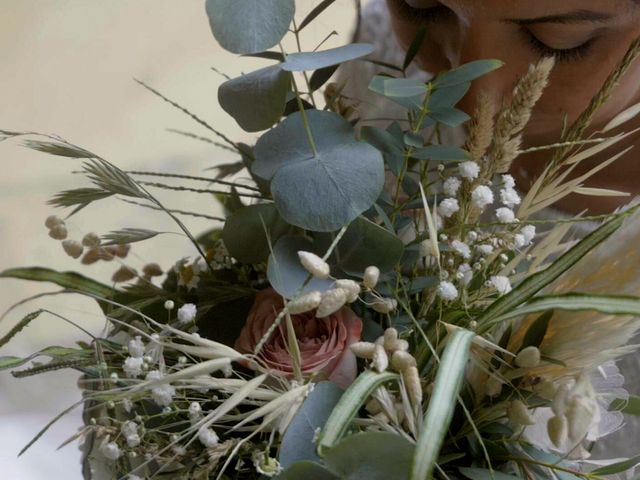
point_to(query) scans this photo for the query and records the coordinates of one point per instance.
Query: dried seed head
(53, 221)
(305, 303)
(528, 357)
(363, 349)
(332, 301)
(380, 360)
(390, 337)
(371, 277)
(580, 413)
(518, 413)
(91, 240)
(91, 256)
(558, 429)
(58, 232)
(559, 404)
(315, 265)
(152, 270)
(72, 248)
(120, 251)
(124, 274)
(547, 390)
(411, 378)
(400, 361)
(402, 345)
(384, 305)
(350, 286)
(373, 406)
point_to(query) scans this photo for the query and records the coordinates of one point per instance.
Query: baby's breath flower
(371, 277)
(505, 215)
(208, 437)
(161, 394)
(485, 249)
(451, 186)
(132, 366)
(195, 410)
(448, 207)
(529, 233)
(508, 181)
(187, 313)
(110, 450)
(500, 283)
(464, 274)
(461, 249)
(169, 305)
(482, 196)
(447, 291)
(315, 265)
(509, 197)
(469, 170)
(135, 347)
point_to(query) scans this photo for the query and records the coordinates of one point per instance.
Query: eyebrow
(577, 16)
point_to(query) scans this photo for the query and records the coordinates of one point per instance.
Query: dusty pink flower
(323, 342)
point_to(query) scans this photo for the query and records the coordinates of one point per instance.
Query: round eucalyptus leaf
(256, 100)
(259, 223)
(289, 143)
(285, 272)
(307, 470)
(371, 455)
(249, 26)
(298, 441)
(365, 244)
(299, 62)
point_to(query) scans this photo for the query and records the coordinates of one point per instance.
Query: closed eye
(561, 54)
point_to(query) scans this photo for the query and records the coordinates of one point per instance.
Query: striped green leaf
(442, 404)
(536, 282)
(68, 280)
(349, 404)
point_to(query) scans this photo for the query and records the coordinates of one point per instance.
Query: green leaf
(610, 304)
(300, 62)
(250, 223)
(285, 272)
(321, 192)
(441, 153)
(128, 235)
(467, 72)
(364, 244)
(415, 47)
(298, 441)
(60, 149)
(314, 13)
(392, 148)
(447, 97)
(536, 282)
(12, 362)
(321, 76)
(307, 470)
(397, 87)
(451, 117)
(256, 100)
(617, 467)
(26, 320)
(536, 332)
(68, 280)
(628, 406)
(371, 456)
(483, 474)
(249, 26)
(352, 400)
(442, 404)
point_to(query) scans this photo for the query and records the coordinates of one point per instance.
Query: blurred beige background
(67, 67)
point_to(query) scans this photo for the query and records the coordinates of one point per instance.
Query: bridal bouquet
(377, 304)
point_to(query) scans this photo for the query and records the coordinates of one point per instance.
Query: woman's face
(587, 37)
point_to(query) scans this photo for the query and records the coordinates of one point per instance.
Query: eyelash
(562, 55)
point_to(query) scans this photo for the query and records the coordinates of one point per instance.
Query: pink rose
(323, 342)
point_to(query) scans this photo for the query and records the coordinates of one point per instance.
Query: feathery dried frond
(481, 129)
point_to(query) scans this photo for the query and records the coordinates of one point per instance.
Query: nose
(482, 43)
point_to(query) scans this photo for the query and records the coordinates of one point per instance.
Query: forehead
(523, 9)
